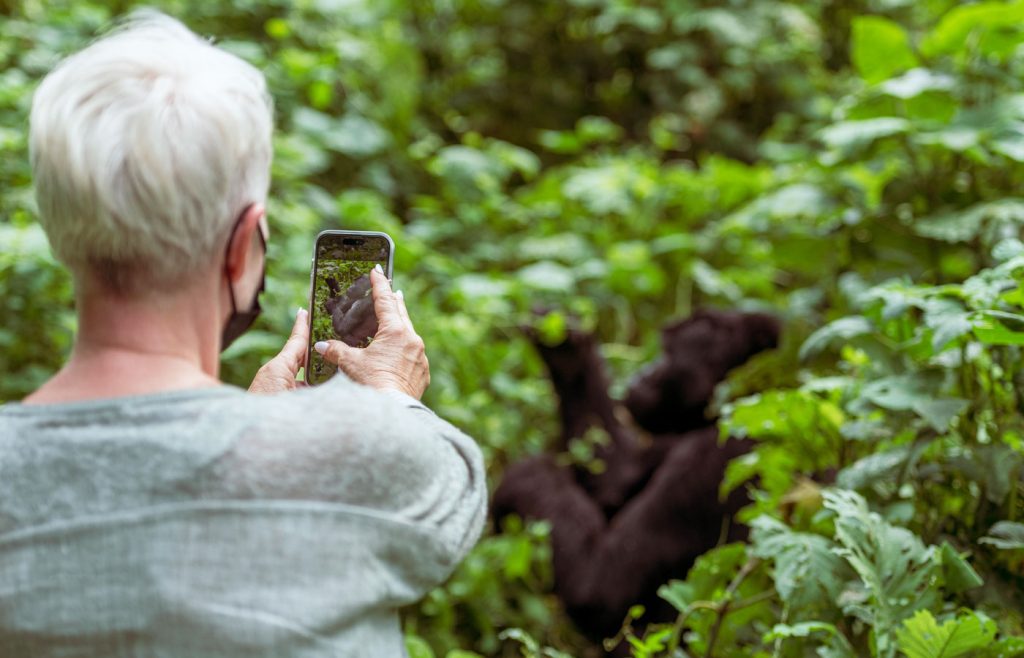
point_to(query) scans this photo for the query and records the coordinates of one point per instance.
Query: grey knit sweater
(216, 523)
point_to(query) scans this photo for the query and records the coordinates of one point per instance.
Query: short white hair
(146, 146)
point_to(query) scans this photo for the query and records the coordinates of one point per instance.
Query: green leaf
(895, 567)
(909, 393)
(850, 135)
(994, 217)
(1007, 647)
(991, 332)
(836, 645)
(880, 48)
(981, 24)
(957, 573)
(552, 329)
(808, 572)
(915, 82)
(712, 283)
(1005, 535)
(940, 412)
(922, 637)
(842, 329)
(603, 189)
(547, 275)
(417, 647)
(874, 467)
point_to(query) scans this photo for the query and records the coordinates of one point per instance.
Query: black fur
(618, 535)
(352, 314)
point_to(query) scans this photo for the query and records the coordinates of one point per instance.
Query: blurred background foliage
(851, 165)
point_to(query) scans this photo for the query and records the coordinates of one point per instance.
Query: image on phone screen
(342, 304)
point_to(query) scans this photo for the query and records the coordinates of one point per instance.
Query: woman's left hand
(279, 373)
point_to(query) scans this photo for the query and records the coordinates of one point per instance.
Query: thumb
(294, 350)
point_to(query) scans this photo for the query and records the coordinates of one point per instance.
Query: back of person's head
(145, 147)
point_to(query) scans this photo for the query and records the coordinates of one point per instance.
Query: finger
(336, 352)
(294, 351)
(403, 312)
(384, 302)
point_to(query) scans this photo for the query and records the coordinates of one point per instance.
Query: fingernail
(299, 312)
(320, 347)
(398, 293)
(379, 268)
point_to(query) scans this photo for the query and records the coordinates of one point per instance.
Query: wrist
(394, 388)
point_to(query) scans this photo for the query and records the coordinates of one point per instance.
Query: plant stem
(725, 604)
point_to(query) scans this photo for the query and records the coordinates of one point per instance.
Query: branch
(726, 604)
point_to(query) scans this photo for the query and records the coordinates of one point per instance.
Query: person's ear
(240, 246)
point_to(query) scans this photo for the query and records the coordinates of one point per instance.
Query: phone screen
(342, 304)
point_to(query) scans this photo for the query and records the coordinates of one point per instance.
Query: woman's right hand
(396, 358)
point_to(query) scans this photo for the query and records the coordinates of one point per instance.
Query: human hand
(396, 358)
(279, 373)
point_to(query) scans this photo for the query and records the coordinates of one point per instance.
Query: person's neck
(128, 346)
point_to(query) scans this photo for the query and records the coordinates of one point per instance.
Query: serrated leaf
(808, 573)
(921, 636)
(894, 566)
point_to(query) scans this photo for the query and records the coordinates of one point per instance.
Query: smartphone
(340, 300)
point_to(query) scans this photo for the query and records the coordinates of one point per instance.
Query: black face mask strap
(240, 320)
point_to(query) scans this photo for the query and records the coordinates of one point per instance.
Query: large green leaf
(922, 637)
(880, 48)
(808, 572)
(993, 27)
(896, 569)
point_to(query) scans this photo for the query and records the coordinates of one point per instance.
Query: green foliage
(881, 48)
(923, 637)
(850, 166)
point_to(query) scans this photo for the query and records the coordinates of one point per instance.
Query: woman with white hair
(146, 509)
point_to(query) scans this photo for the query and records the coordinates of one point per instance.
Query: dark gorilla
(352, 314)
(671, 394)
(619, 535)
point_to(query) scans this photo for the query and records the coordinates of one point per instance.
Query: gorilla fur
(620, 534)
(352, 314)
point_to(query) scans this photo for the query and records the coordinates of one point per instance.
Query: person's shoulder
(340, 396)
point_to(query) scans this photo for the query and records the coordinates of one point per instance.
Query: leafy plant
(850, 166)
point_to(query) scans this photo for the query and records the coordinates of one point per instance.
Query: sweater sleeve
(380, 450)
